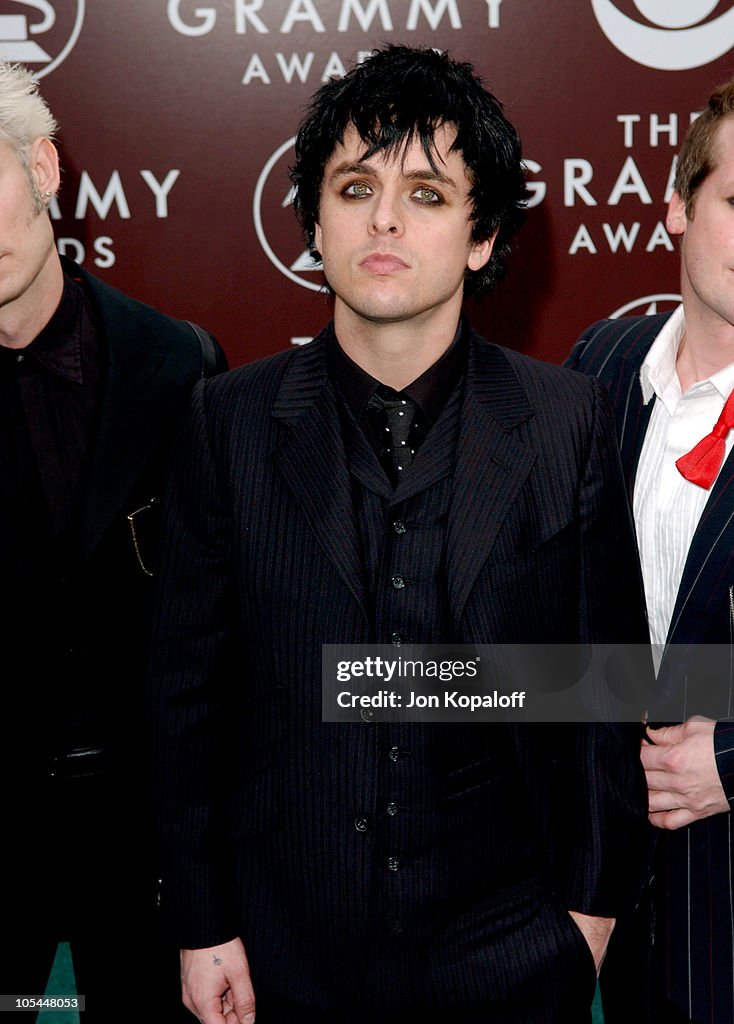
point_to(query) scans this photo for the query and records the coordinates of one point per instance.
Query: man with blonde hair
(671, 378)
(90, 386)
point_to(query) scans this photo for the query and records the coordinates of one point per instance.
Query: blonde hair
(24, 114)
(698, 155)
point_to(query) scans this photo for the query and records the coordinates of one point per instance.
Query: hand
(597, 931)
(216, 986)
(682, 779)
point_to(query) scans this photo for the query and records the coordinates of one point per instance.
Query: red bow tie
(701, 464)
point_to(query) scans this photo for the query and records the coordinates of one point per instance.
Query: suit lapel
(311, 457)
(632, 414)
(708, 574)
(490, 462)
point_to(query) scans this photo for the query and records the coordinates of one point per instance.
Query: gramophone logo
(662, 302)
(675, 35)
(38, 33)
(275, 223)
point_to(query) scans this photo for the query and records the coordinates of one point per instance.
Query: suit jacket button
(394, 753)
(361, 824)
(398, 582)
(399, 526)
(392, 809)
(393, 863)
(366, 714)
(393, 924)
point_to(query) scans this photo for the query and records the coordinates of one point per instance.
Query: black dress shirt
(49, 401)
(430, 391)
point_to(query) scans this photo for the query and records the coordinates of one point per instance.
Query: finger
(662, 782)
(655, 758)
(210, 1011)
(665, 801)
(243, 1000)
(672, 820)
(665, 735)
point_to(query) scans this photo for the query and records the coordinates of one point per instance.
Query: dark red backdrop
(176, 114)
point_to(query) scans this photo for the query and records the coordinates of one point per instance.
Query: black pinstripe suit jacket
(694, 933)
(262, 566)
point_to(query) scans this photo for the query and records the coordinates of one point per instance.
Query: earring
(46, 196)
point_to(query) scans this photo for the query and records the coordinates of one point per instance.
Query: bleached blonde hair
(24, 114)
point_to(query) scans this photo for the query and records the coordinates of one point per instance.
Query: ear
(676, 219)
(317, 237)
(43, 164)
(480, 252)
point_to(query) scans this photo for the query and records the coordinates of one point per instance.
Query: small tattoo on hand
(217, 961)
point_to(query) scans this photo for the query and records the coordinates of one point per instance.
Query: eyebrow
(347, 169)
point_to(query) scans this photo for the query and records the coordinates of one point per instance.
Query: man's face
(395, 235)
(707, 246)
(26, 236)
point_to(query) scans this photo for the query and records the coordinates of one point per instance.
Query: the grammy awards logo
(38, 33)
(647, 305)
(676, 36)
(275, 223)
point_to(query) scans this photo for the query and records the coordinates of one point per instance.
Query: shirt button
(361, 824)
(392, 809)
(393, 925)
(398, 582)
(393, 863)
(399, 526)
(394, 753)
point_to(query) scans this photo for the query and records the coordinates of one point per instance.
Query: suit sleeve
(608, 845)
(574, 359)
(724, 753)
(193, 638)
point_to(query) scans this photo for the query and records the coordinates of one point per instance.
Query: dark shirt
(49, 397)
(430, 391)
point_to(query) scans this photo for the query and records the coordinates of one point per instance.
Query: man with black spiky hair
(399, 480)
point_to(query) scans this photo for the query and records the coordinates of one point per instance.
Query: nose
(386, 217)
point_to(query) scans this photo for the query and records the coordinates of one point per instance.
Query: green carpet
(61, 983)
(596, 1015)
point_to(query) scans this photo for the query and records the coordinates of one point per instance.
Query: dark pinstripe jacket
(694, 931)
(261, 566)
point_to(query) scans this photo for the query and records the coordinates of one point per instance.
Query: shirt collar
(658, 375)
(430, 391)
(58, 347)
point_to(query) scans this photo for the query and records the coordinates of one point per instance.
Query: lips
(383, 263)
